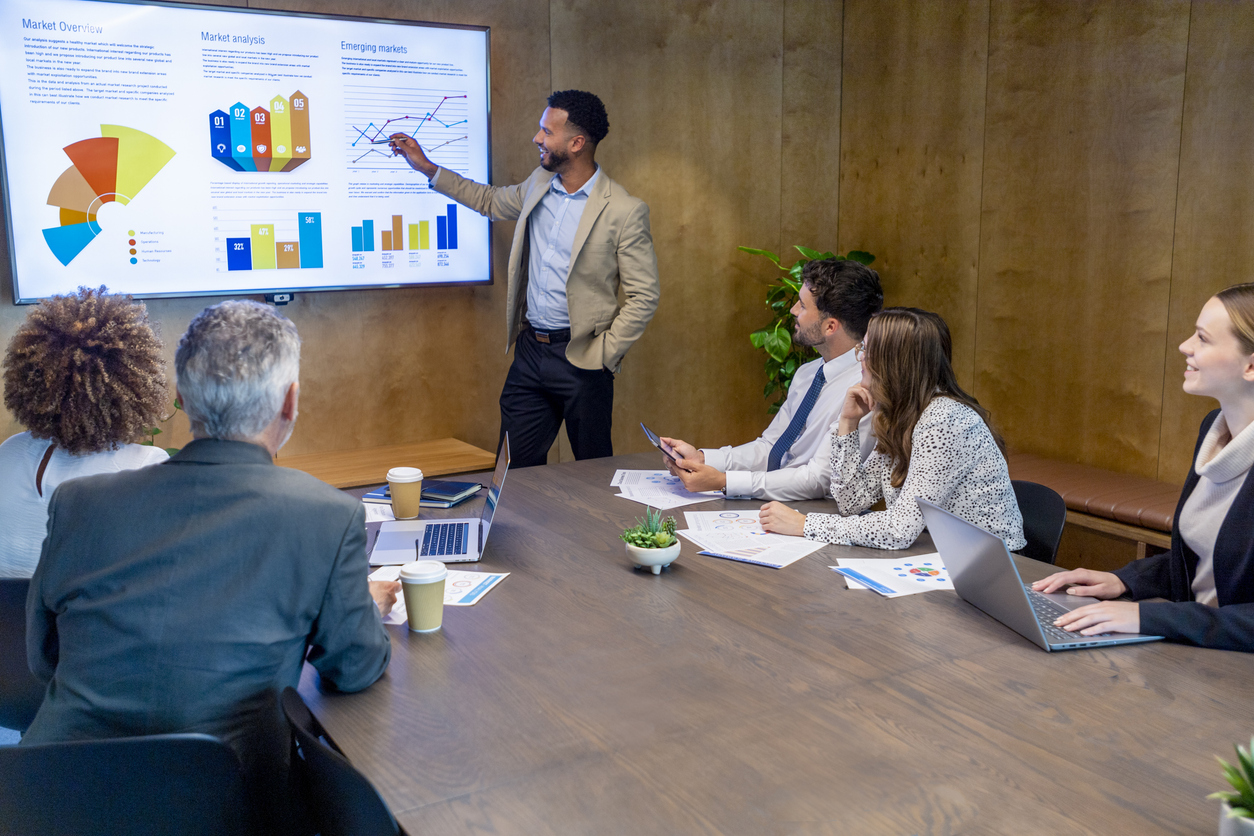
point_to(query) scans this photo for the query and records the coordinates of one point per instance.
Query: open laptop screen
(494, 490)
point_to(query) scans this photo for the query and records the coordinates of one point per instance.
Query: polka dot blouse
(954, 463)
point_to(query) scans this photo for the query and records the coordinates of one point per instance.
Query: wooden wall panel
(385, 366)
(810, 129)
(692, 91)
(1080, 162)
(1214, 243)
(911, 153)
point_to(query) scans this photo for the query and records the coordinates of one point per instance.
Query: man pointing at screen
(584, 238)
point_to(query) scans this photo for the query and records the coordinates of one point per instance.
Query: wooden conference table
(581, 696)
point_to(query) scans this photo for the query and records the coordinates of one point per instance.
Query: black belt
(553, 336)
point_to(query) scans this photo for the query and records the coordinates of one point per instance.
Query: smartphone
(666, 449)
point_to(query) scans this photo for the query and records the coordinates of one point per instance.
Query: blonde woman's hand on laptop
(1102, 617)
(1083, 582)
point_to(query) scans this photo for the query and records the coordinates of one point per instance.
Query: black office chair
(1044, 515)
(189, 784)
(20, 692)
(340, 800)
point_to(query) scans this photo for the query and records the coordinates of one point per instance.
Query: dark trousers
(543, 388)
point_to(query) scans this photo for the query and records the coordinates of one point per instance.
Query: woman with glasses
(933, 441)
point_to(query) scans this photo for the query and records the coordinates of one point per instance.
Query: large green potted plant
(1236, 817)
(783, 357)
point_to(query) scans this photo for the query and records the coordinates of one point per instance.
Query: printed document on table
(774, 550)
(378, 513)
(744, 522)
(893, 578)
(461, 589)
(657, 488)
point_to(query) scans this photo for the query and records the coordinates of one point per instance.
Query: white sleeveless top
(24, 513)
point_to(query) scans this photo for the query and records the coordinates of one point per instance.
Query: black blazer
(1170, 576)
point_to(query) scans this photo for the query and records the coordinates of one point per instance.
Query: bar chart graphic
(437, 119)
(260, 139)
(394, 233)
(250, 243)
(114, 166)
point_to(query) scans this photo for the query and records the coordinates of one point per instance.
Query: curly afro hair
(584, 113)
(85, 371)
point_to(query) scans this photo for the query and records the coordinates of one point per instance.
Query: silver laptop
(452, 541)
(984, 574)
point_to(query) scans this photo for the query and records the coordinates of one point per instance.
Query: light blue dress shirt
(551, 235)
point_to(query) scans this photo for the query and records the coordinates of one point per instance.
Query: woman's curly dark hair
(85, 370)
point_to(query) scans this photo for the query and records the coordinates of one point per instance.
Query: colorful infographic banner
(174, 153)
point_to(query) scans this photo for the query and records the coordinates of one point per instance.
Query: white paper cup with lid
(405, 486)
(422, 583)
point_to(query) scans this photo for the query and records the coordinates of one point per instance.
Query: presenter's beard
(554, 161)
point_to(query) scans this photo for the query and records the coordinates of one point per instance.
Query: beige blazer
(613, 248)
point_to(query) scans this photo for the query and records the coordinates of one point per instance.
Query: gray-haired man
(184, 597)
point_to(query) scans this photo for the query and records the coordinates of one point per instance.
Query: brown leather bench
(1132, 507)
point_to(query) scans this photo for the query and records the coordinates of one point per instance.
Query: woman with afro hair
(84, 375)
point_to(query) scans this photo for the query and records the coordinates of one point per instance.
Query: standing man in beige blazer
(584, 238)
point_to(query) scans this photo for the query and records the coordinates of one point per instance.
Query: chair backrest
(340, 800)
(1044, 515)
(189, 784)
(20, 692)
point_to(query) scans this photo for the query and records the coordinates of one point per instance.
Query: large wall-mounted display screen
(168, 150)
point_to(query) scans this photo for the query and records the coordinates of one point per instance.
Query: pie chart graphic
(112, 166)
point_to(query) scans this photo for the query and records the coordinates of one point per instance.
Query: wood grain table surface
(581, 696)
(352, 468)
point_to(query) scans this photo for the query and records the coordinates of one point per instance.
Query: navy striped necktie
(798, 423)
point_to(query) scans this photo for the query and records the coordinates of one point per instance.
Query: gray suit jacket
(182, 597)
(613, 247)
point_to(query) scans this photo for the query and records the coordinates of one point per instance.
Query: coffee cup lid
(404, 474)
(424, 571)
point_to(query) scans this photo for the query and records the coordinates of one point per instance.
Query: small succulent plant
(1241, 776)
(652, 532)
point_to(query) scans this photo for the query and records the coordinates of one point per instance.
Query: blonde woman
(933, 441)
(84, 375)
(1208, 576)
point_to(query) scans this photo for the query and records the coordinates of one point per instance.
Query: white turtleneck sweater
(1223, 462)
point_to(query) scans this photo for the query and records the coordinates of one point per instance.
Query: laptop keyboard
(1046, 611)
(441, 539)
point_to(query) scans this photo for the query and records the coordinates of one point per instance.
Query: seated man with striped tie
(791, 460)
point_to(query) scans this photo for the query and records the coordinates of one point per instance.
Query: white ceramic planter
(1234, 827)
(655, 559)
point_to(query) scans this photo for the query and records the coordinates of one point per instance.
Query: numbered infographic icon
(113, 166)
(256, 139)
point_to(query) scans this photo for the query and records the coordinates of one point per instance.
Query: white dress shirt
(805, 470)
(25, 513)
(1223, 464)
(551, 237)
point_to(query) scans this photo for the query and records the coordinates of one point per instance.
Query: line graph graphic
(437, 119)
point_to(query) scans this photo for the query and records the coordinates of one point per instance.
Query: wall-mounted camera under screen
(168, 150)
